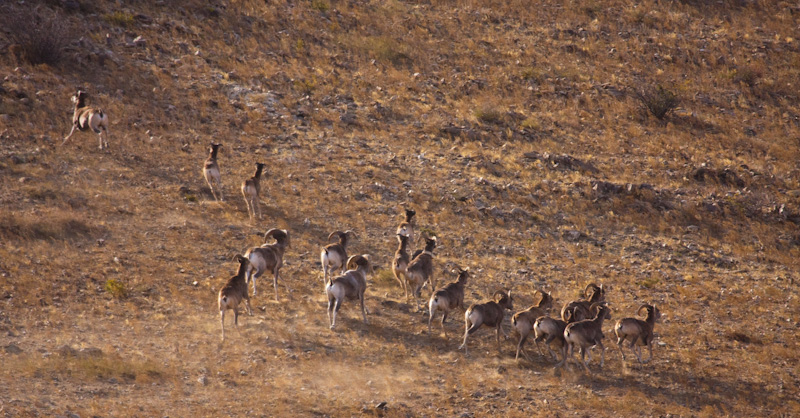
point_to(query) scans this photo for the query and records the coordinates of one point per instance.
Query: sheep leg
(583, 359)
(633, 348)
(70, 134)
(552, 353)
(619, 345)
(497, 333)
(650, 348)
(602, 354)
(330, 309)
(222, 322)
(444, 317)
(275, 284)
(430, 316)
(363, 309)
(522, 339)
(253, 277)
(247, 305)
(104, 139)
(468, 329)
(256, 206)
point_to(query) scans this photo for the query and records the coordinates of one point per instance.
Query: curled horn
(335, 234)
(595, 308)
(356, 260)
(351, 232)
(568, 315)
(591, 286)
(499, 292)
(271, 233)
(541, 297)
(240, 258)
(645, 306)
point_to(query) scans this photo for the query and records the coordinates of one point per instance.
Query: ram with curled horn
(351, 286)
(420, 271)
(578, 310)
(268, 258)
(490, 314)
(523, 321)
(334, 256)
(449, 297)
(587, 334)
(639, 332)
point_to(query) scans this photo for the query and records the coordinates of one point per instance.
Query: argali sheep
(420, 270)
(251, 190)
(400, 262)
(333, 256)
(233, 293)
(490, 314)
(268, 257)
(578, 310)
(548, 330)
(450, 297)
(87, 117)
(351, 285)
(638, 332)
(406, 227)
(211, 172)
(587, 334)
(523, 321)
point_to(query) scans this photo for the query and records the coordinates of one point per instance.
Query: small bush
(116, 289)
(488, 114)
(659, 101)
(747, 75)
(40, 33)
(320, 5)
(120, 18)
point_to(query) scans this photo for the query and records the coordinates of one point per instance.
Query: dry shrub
(40, 33)
(658, 101)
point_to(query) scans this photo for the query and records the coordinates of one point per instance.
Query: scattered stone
(381, 406)
(203, 380)
(13, 349)
(562, 162)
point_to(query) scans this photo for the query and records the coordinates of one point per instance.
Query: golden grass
(271, 83)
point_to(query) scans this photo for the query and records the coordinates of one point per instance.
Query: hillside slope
(518, 132)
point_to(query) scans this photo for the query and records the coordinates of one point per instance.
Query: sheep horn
(352, 259)
(593, 287)
(335, 234)
(645, 306)
(541, 297)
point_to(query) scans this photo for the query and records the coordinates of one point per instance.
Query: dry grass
(360, 109)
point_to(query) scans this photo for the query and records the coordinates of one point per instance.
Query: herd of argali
(580, 324)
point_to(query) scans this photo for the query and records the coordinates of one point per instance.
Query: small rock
(13, 349)
(203, 380)
(381, 405)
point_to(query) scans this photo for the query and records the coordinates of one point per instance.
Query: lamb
(251, 189)
(490, 314)
(333, 256)
(523, 321)
(233, 293)
(586, 334)
(211, 172)
(351, 285)
(420, 270)
(406, 228)
(578, 310)
(87, 117)
(639, 332)
(548, 330)
(268, 257)
(400, 262)
(448, 298)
